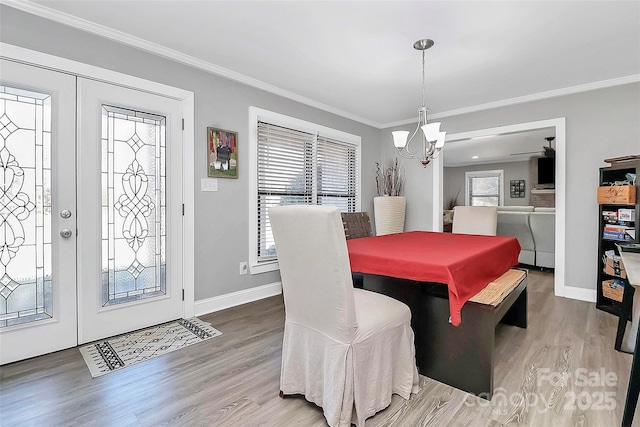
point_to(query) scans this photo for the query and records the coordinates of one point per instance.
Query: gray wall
(453, 181)
(418, 187)
(600, 124)
(221, 218)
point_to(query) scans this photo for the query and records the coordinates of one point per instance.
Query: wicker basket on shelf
(612, 290)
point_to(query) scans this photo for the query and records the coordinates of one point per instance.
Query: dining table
(465, 263)
(436, 275)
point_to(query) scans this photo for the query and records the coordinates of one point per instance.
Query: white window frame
(256, 114)
(482, 174)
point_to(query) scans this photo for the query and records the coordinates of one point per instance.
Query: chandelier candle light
(432, 138)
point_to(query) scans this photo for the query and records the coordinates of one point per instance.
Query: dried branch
(390, 180)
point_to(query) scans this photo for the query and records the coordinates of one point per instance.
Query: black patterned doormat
(125, 350)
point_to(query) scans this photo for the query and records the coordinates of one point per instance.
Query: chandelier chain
(423, 79)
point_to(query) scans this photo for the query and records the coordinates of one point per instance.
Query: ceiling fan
(548, 151)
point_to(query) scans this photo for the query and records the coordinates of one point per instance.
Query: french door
(37, 183)
(90, 210)
(129, 209)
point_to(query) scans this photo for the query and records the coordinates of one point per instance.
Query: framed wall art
(517, 188)
(222, 148)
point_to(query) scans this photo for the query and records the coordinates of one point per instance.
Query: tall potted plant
(389, 206)
(447, 213)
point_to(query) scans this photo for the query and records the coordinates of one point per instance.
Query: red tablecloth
(465, 263)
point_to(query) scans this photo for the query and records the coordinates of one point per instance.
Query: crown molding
(127, 39)
(156, 49)
(634, 78)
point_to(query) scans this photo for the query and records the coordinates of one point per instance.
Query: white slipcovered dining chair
(346, 350)
(475, 220)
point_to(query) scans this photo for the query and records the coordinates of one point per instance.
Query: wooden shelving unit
(616, 172)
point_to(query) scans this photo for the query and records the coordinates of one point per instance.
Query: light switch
(208, 184)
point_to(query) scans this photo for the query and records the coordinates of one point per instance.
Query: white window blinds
(298, 167)
(337, 174)
(284, 176)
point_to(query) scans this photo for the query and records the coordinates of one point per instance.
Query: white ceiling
(356, 58)
(513, 147)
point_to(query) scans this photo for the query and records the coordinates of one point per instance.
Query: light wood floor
(232, 380)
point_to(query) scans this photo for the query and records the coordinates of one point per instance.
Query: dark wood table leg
(634, 387)
(625, 314)
(517, 314)
(357, 280)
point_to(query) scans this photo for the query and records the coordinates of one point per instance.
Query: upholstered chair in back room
(516, 224)
(543, 228)
(346, 350)
(475, 220)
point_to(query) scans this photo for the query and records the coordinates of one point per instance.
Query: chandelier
(432, 138)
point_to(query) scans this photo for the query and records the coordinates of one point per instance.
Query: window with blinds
(300, 167)
(484, 188)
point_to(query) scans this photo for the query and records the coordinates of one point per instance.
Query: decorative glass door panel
(133, 205)
(37, 180)
(130, 205)
(100, 258)
(25, 206)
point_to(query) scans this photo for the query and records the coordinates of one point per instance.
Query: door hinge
(182, 124)
(183, 295)
(183, 209)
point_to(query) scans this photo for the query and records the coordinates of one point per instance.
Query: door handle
(66, 233)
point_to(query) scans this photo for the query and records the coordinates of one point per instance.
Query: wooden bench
(461, 356)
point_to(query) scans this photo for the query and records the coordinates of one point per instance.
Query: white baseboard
(233, 299)
(580, 294)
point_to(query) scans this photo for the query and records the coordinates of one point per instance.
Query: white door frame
(186, 98)
(561, 156)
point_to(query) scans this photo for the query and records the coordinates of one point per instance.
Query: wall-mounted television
(546, 170)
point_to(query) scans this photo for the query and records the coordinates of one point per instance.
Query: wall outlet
(244, 268)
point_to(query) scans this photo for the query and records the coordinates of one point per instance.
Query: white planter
(389, 212)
